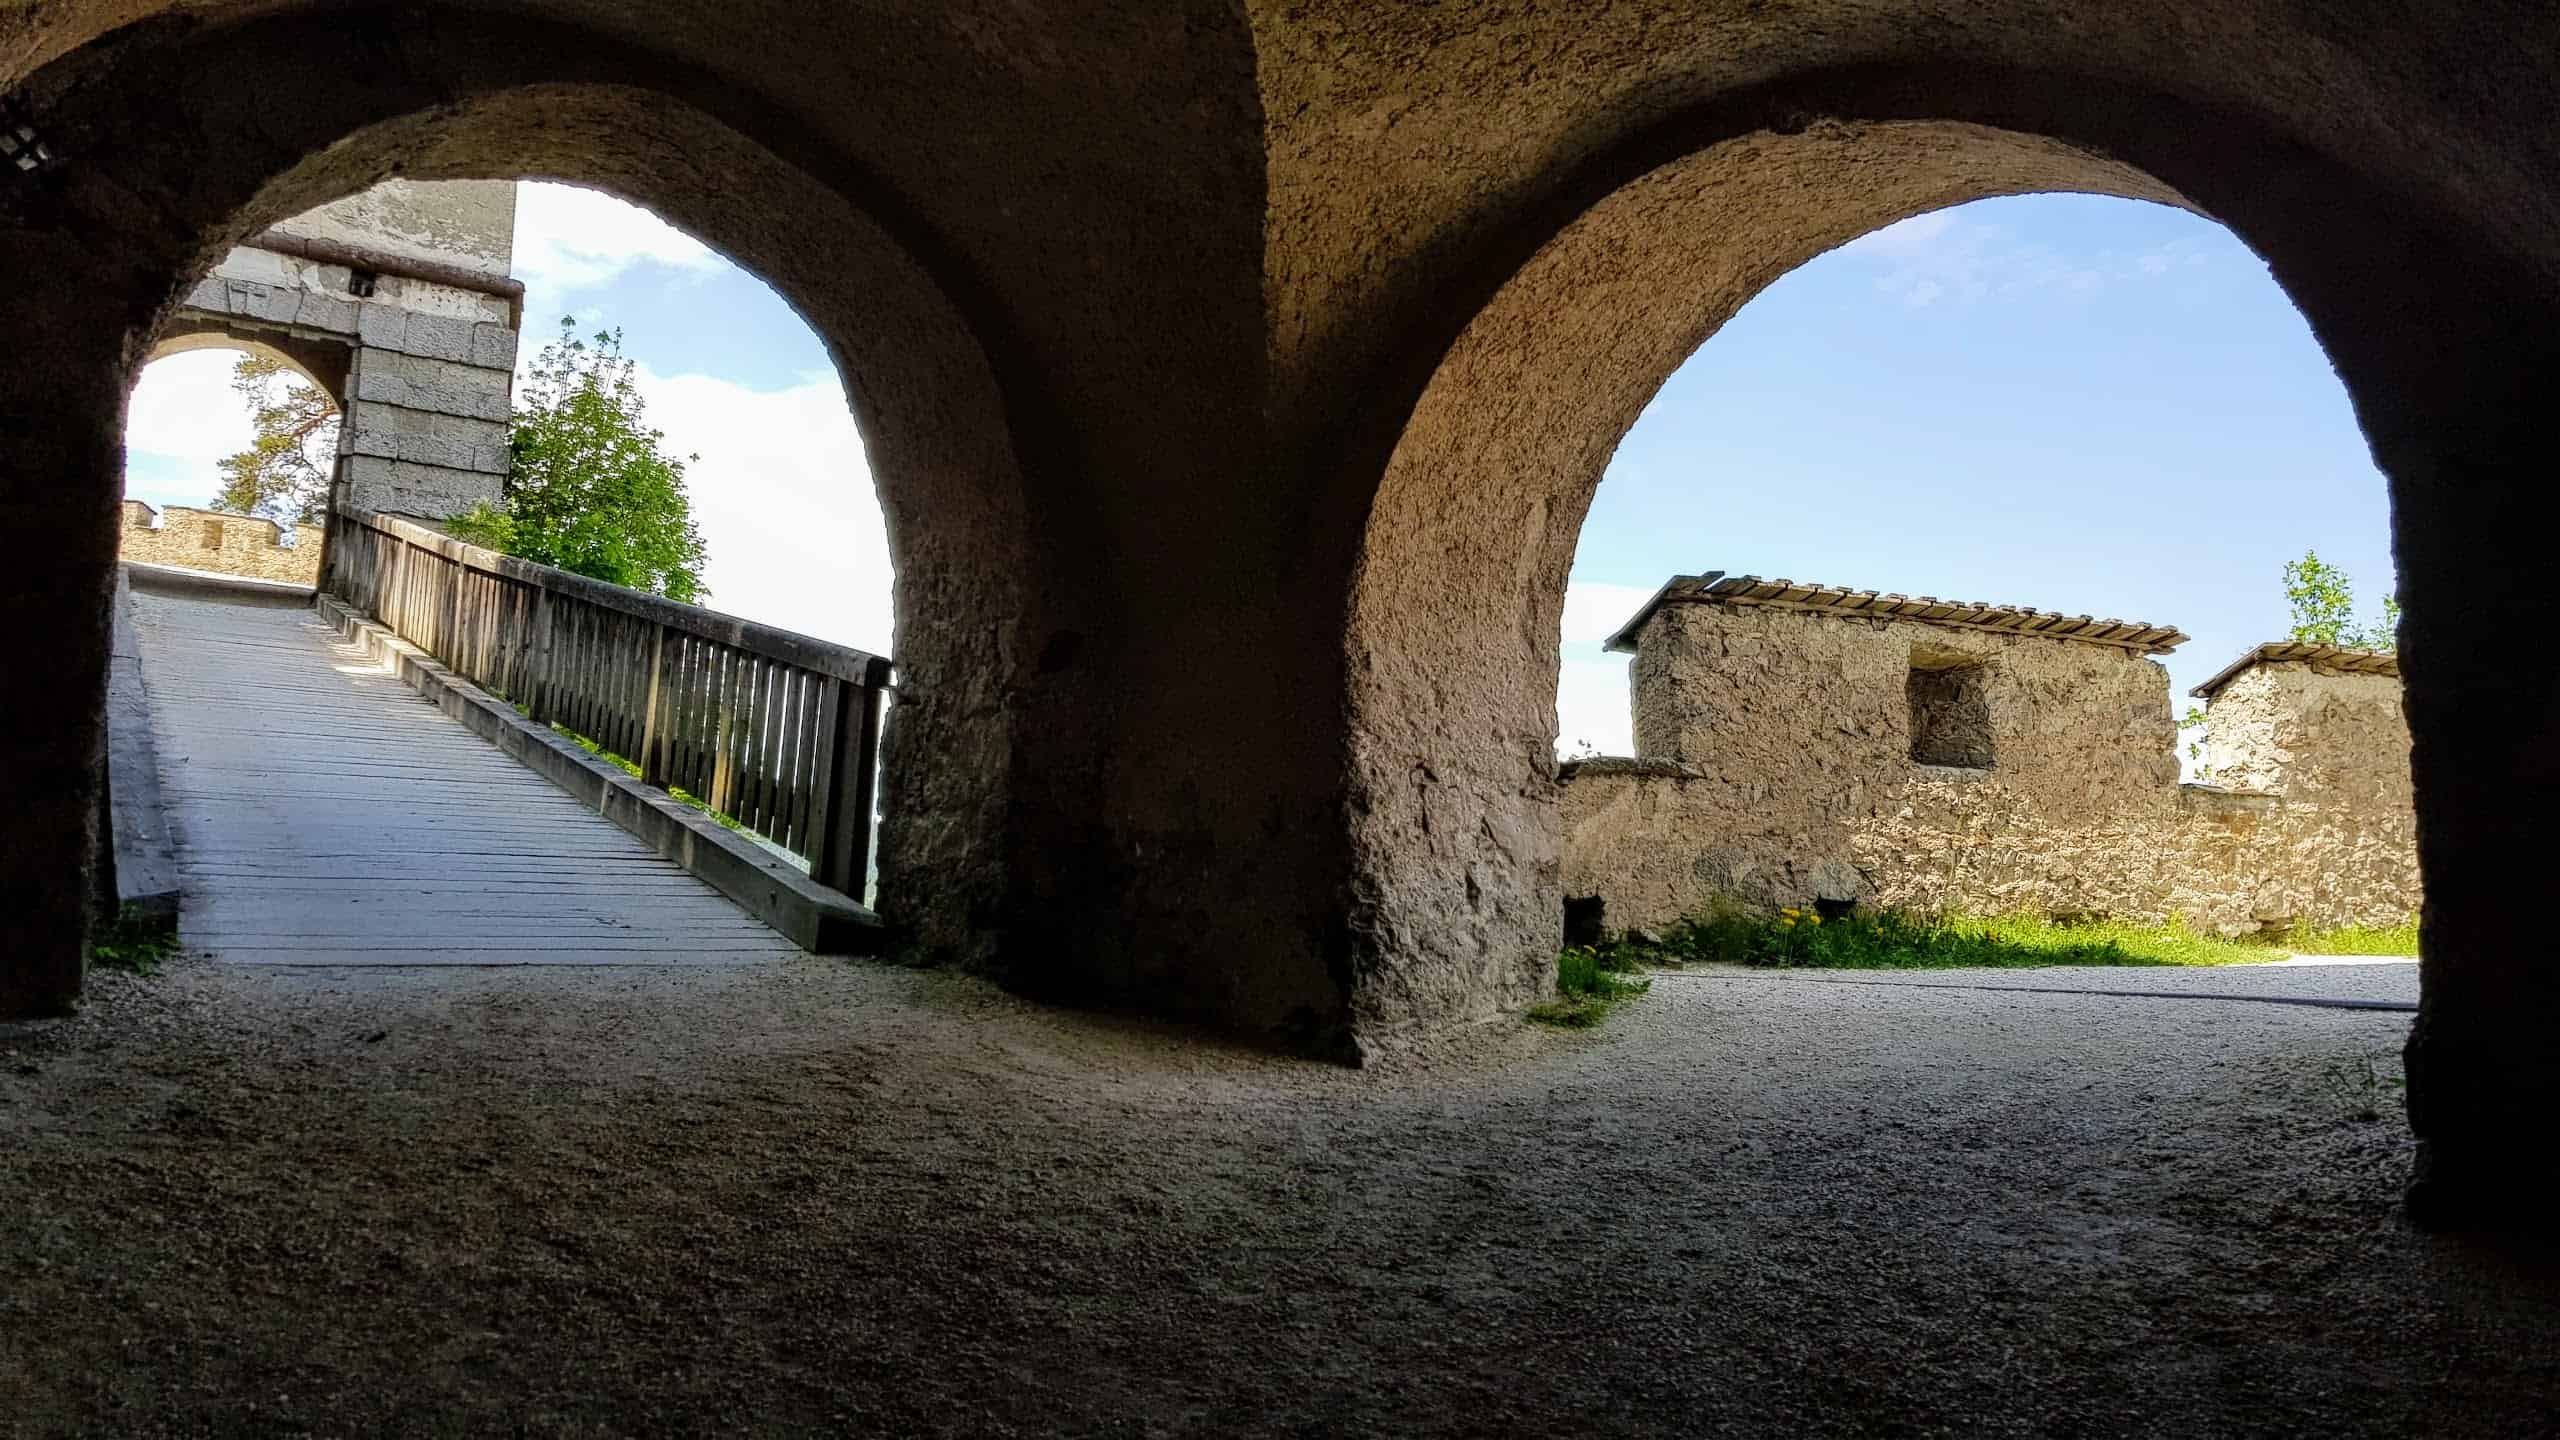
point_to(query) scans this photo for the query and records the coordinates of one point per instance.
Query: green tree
(2324, 608)
(589, 488)
(284, 474)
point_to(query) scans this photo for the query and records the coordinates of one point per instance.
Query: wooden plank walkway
(326, 814)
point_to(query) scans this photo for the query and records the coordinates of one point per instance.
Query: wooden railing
(777, 730)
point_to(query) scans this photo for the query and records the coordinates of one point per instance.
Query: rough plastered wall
(466, 223)
(228, 544)
(1793, 781)
(2331, 750)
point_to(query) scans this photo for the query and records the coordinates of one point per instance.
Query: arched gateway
(1237, 376)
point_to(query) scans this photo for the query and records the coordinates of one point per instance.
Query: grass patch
(591, 747)
(1590, 982)
(1891, 940)
(133, 943)
(725, 820)
(2400, 939)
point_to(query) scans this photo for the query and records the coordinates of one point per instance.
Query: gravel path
(820, 1195)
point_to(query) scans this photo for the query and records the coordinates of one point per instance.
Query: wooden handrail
(778, 730)
(789, 646)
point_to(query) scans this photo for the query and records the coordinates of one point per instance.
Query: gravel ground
(841, 1196)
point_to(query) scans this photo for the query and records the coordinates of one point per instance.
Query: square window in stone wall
(1950, 712)
(210, 538)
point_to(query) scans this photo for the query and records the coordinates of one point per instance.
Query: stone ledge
(2197, 796)
(146, 854)
(1599, 765)
(812, 916)
(155, 579)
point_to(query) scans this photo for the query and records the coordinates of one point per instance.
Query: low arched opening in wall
(321, 362)
(1458, 841)
(489, 102)
(189, 426)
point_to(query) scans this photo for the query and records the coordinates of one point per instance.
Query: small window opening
(211, 539)
(362, 283)
(1950, 713)
(1585, 921)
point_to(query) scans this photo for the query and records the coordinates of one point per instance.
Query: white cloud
(568, 239)
(1942, 256)
(784, 497)
(1592, 709)
(1909, 236)
(1591, 687)
(184, 412)
(1593, 611)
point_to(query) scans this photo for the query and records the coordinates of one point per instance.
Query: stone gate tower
(397, 302)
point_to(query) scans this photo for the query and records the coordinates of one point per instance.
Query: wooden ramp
(326, 814)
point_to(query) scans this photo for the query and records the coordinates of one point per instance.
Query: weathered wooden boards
(775, 729)
(328, 815)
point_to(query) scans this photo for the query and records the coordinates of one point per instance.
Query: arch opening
(2043, 409)
(1458, 597)
(920, 387)
(1465, 546)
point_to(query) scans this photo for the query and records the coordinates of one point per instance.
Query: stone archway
(1491, 478)
(322, 362)
(937, 427)
(1451, 660)
(1188, 274)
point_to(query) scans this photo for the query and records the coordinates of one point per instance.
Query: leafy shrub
(1590, 981)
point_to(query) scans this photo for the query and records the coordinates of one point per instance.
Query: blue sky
(2080, 404)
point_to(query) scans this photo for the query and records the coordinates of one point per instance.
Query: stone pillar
(2484, 720)
(59, 455)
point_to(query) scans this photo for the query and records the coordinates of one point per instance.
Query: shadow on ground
(819, 1195)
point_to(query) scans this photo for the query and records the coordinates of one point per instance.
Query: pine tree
(284, 474)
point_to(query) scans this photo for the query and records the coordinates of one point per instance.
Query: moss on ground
(133, 942)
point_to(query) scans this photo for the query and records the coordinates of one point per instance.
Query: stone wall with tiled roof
(1717, 588)
(2335, 659)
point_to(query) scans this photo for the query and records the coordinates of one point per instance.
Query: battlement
(248, 545)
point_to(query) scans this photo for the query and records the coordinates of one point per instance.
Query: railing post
(653, 769)
(831, 788)
(876, 678)
(395, 599)
(537, 701)
(849, 726)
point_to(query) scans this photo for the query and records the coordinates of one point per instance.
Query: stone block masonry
(245, 545)
(397, 301)
(1801, 745)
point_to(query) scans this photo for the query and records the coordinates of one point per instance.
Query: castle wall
(1776, 767)
(228, 544)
